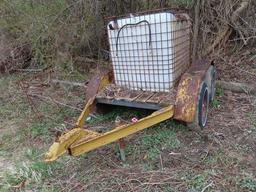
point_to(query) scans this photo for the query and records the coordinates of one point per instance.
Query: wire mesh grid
(149, 52)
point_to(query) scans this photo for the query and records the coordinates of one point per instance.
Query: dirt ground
(166, 157)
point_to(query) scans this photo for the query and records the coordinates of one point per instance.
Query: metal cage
(149, 52)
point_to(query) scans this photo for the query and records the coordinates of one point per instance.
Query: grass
(24, 137)
(248, 182)
(35, 171)
(196, 182)
(124, 113)
(32, 173)
(245, 149)
(62, 36)
(24, 146)
(219, 92)
(161, 137)
(252, 118)
(216, 102)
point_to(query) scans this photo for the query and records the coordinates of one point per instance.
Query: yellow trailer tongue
(78, 141)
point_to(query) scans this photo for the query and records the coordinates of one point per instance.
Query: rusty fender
(188, 90)
(98, 82)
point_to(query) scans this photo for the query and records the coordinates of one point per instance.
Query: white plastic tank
(149, 52)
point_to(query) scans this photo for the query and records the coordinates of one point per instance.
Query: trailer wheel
(210, 79)
(201, 109)
(203, 106)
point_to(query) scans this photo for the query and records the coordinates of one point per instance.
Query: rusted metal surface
(132, 104)
(97, 82)
(199, 67)
(188, 89)
(88, 107)
(116, 92)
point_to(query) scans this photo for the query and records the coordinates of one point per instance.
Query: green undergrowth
(252, 117)
(196, 182)
(32, 173)
(216, 102)
(160, 138)
(125, 115)
(248, 182)
(34, 127)
(27, 132)
(151, 141)
(69, 35)
(147, 147)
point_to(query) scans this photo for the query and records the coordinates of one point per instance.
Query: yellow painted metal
(78, 140)
(188, 91)
(106, 79)
(85, 112)
(62, 144)
(59, 147)
(82, 146)
(186, 98)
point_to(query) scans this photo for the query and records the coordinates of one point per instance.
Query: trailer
(152, 69)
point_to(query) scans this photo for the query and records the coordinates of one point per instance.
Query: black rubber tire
(210, 79)
(199, 123)
(203, 105)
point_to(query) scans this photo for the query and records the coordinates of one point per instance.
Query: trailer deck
(113, 94)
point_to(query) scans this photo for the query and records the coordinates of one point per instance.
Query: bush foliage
(65, 32)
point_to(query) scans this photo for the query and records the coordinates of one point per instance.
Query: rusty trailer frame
(184, 108)
(190, 86)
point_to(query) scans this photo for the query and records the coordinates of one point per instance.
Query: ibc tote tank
(149, 51)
